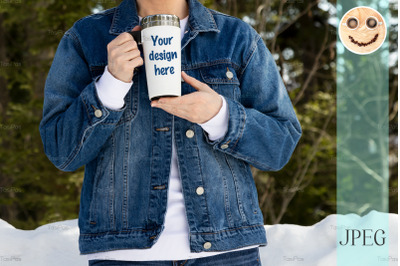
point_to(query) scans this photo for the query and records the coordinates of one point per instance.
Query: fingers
(182, 101)
(198, 85)
(122, 47)
(121, 39)
(192, 98)
(167, 102)
(173, 106)
(128, 46)
(196, 107)
(137, 28)
(133, 54)
(123, 57)
(173, 109)
(125, 37)
(118, 57)
(136, 62)
(116, 50)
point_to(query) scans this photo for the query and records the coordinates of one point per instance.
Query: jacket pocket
(223, 79)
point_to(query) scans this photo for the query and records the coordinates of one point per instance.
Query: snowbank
(57, 244)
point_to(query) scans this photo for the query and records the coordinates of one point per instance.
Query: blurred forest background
(301, 34)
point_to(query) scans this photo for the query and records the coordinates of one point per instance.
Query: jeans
(248, 257)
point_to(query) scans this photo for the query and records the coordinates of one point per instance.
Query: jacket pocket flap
(219, 74)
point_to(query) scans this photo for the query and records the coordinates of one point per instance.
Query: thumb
(198, 85)
(136, 28)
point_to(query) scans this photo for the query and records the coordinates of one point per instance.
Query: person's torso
(125, 186)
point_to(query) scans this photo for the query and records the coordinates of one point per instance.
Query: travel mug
(161, 40)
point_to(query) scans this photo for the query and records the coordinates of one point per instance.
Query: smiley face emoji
(362, 30)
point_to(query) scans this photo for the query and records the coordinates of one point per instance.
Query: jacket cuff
(96, 111)
(217, 126)
(236, 123)
(112, 91)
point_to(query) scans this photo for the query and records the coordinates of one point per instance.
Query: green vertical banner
(362, 138)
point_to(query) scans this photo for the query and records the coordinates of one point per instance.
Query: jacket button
(224, 146)
(207, 245)
(98, 113)
(190, 134)
(200, 191)
(229, 74)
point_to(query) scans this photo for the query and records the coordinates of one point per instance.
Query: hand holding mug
(123, 56)
(197, 107)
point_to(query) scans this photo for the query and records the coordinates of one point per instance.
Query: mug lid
(160, 20)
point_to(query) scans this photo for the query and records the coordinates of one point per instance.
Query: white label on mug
(162, 56)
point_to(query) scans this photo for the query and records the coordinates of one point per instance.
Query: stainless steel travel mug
(161, 40)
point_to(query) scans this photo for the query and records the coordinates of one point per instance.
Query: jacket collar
(126, 17)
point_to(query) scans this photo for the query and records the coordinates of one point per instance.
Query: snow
(57, 243)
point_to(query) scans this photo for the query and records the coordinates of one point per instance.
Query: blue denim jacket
(127, 153)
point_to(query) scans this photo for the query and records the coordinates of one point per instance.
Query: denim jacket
(127, 153)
